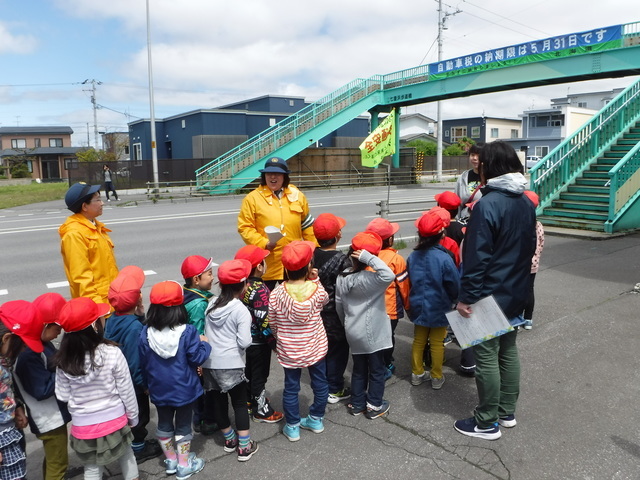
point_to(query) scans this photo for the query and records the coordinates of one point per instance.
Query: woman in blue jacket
(499, 243)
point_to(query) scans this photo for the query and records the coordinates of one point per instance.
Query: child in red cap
(258, 355)
(435, 283)
(397, 294)
(170, 352)
(197, 272)
(93, 379)
(330, 262)
(20, 325)
(35, 378)
(228, 328)
(301, 341)
(361, 307)
(124, 327)
(451, 203)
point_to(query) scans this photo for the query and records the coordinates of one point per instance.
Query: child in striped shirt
(301, 340)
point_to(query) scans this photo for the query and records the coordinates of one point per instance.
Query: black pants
(257, 370)
(388, 353)
(238, 396)
(108, 187)
(336, 360)
(144, 410)
(531, 301)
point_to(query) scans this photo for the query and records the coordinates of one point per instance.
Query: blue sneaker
(508, 421)
(292, 432)
(312, 423)
(372, 414)
(528, 324)
(469, 427)
(170, 466)
(355, 411)
(194, 465)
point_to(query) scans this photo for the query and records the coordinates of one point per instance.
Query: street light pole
(154, 151)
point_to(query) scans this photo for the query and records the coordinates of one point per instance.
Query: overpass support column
(395, 158)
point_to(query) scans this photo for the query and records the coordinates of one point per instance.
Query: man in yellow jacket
(87, 250)
(275, 203)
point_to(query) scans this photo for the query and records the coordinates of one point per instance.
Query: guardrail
(387, 212)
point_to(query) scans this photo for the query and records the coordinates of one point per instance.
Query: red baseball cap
(429, 224)
(124, 291)
(168, 293)
(327, 225)
(369, 241)
(297, 254)
(443, 214)
(533, 196)
(253, 254)
(234, 271)
(195, 265)
(383, 227)
(49, 306)
(78, 313)
(448, 200)
(23, 319)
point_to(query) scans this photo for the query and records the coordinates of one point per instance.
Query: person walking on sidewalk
(499, 243)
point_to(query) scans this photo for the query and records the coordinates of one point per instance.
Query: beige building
(47, 151)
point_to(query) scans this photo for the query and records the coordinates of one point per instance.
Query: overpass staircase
(591, 181)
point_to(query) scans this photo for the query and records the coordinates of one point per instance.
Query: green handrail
(574, 155)
(623, 182)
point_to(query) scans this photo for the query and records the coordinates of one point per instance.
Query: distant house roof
(35, 130)
(249, 100)
(41, 151)
(417, 115)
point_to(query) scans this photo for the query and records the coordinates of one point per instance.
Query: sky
(208, 53)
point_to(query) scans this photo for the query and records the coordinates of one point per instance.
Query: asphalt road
(158, 236)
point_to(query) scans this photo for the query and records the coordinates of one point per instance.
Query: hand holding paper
(486, 321)
(273, 234)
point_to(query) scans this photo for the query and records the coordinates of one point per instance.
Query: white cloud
(15, 43)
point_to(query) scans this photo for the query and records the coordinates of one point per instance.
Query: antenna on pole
(93, 83)
(442, 18)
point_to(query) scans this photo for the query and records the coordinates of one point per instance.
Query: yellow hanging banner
(380, 143)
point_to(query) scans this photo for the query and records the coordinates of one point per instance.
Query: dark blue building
(212, 132)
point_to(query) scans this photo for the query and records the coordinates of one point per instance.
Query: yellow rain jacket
(87, 253)
(261, 208)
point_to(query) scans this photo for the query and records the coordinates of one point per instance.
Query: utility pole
(154, 151)
(442, 18)
(95, 108)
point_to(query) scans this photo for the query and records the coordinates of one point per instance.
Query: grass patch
(16, 195)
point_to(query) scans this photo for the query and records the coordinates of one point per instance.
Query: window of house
(495, 133)
(272, 122)
(55, 142)
(457, 133)
(137, 154)
(126, 149)
(291, 103)
(582, 104)
(70, 164)
(18, 143)
(36, 142)
(475, 132)
(184, 123)
(542, 151)
(515, 133)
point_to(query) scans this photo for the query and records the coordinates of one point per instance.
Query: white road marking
(150, 272)
(4, 292)
(25, 214)
(57, 284)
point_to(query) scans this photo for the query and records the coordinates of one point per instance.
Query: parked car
(532, 161)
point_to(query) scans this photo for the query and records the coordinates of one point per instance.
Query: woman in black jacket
(499, 243)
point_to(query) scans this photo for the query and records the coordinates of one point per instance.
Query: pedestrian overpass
(600, 53)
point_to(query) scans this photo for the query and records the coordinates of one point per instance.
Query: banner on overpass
(561, 46)
(380, 143)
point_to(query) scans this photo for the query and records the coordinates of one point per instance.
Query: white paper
(486, 322)
(273, 234)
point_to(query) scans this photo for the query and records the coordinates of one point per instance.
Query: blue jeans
(183, 416)
(367, 379)
(290, 402)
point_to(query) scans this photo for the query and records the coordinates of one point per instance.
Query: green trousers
(497, 378)
(56, 456)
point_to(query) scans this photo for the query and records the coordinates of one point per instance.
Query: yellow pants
(435, 335)
(56, 456)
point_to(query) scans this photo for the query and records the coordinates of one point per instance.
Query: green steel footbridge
(607, 197)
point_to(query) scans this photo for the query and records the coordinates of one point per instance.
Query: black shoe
(150, 450)
(208, 428)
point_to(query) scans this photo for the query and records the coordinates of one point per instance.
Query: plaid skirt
(104, 450)
(14, 465)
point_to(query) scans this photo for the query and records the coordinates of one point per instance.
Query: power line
(506, 18)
